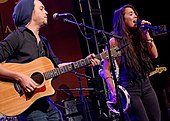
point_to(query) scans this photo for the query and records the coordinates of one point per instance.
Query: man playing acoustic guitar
(25, 45)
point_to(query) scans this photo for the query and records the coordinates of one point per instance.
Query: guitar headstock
(161, 69)
(158, 70)
(114, 53)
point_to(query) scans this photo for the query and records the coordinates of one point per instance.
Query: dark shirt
(21, 46)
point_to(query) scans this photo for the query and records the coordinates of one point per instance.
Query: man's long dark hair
(135, 56)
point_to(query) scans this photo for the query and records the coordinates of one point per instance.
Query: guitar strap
(49, 53)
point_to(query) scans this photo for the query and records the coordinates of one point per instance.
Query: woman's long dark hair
(135, 55)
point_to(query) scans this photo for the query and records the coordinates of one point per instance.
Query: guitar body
(12, 102)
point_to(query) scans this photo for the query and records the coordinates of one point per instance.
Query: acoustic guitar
(13, 100)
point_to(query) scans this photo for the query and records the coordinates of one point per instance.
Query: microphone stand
(81, 93)
(79, 74)
(113, 67)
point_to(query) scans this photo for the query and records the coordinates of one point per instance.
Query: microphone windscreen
(55, 15)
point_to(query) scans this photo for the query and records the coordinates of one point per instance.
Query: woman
(135, 64)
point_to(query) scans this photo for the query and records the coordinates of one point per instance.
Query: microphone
(147, 26)
(58, 15)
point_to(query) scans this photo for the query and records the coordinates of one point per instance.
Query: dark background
(69, 44)
(157, 12)
(154, 11)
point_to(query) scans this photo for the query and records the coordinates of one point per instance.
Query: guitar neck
(80, 63)
(69, 67)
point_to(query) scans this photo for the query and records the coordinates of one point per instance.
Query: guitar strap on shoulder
(49, 52)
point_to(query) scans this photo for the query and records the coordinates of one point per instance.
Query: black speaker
(79, 109)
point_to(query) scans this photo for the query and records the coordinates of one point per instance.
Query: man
(25, 45)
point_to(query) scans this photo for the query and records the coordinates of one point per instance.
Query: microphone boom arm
(88, 27)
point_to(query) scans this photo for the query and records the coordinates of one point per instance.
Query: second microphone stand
(82, 100)
(113, 68)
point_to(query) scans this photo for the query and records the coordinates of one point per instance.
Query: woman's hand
(145, 30)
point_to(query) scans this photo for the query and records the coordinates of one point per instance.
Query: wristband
(107, 78)
(150, 40)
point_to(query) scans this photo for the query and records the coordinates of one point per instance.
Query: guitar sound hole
(37, 77)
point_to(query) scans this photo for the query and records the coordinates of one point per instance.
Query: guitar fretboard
(80, 63)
